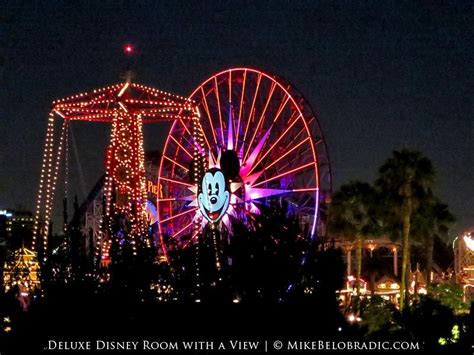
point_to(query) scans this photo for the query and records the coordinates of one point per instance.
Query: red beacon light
(128, 49)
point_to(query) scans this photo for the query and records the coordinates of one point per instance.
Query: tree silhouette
(431, 221)
(404, 180)
(351, 215)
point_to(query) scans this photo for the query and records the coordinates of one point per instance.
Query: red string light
(126, 106)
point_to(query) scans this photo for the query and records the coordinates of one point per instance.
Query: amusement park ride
(242, 138)
(464, 262)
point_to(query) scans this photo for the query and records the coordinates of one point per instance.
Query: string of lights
(126, 106)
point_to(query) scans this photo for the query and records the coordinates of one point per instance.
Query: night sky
(380, 75)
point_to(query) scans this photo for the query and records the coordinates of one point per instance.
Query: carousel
(21, 274)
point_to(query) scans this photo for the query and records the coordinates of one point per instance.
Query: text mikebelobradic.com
(235, 345)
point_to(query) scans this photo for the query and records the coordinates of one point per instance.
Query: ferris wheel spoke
(181, 230)
(284, 174)
(307, 149)
(290, 163)
(178, 215)
(249, 163)
(309, 189)
(176, 181)
(251, 112)
(185, 127)
(288, 152)
(166, 199)
(216, 92)
(242, 95)
(257, 128)
(257, 193)
(184, 137)
(198, 144)
(176, 163)
(190, 142)
(191, 239)
(256, 152)
(208, 114)
(276, 142)
(193, 143)
(182, 148)
(230, 86)
(230, 129)
(281, 108)
(301, 131)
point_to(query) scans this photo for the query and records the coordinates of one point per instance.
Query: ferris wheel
(263, 134)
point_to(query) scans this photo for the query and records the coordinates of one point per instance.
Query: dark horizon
(380, 77)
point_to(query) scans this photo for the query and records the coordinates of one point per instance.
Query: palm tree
(404, 180)
(350, 215)
(431, 221)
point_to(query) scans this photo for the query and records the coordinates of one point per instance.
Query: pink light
(252, 112)
(128, 49)
(240, 110)
(306, 190)
(284, 174)
(260, 119)
(250, 162)
(176, 163)
(206, 108)
(176, 181)
(181, 146)
(256, 193)
(219, 108)
(278, 140)
(230, 132)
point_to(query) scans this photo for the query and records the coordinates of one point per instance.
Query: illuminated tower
(125, 189)
(126, 106)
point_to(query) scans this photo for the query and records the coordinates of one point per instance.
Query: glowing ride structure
(464, 258)
(126, 106)
(251, 127)
(264, 136)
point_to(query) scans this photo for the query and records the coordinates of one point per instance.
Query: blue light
(5, 213)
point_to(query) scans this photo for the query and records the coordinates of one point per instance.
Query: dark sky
(380, 75)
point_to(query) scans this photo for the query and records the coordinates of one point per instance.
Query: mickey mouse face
(214, 197)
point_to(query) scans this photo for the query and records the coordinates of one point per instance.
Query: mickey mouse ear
(230, 164)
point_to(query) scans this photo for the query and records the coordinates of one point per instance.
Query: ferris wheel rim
(293, 95)
(278, 80)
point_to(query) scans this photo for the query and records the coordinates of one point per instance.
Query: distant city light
(353, 318)
(5, 213)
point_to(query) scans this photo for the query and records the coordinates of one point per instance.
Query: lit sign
(154, 188)
(214, 195)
